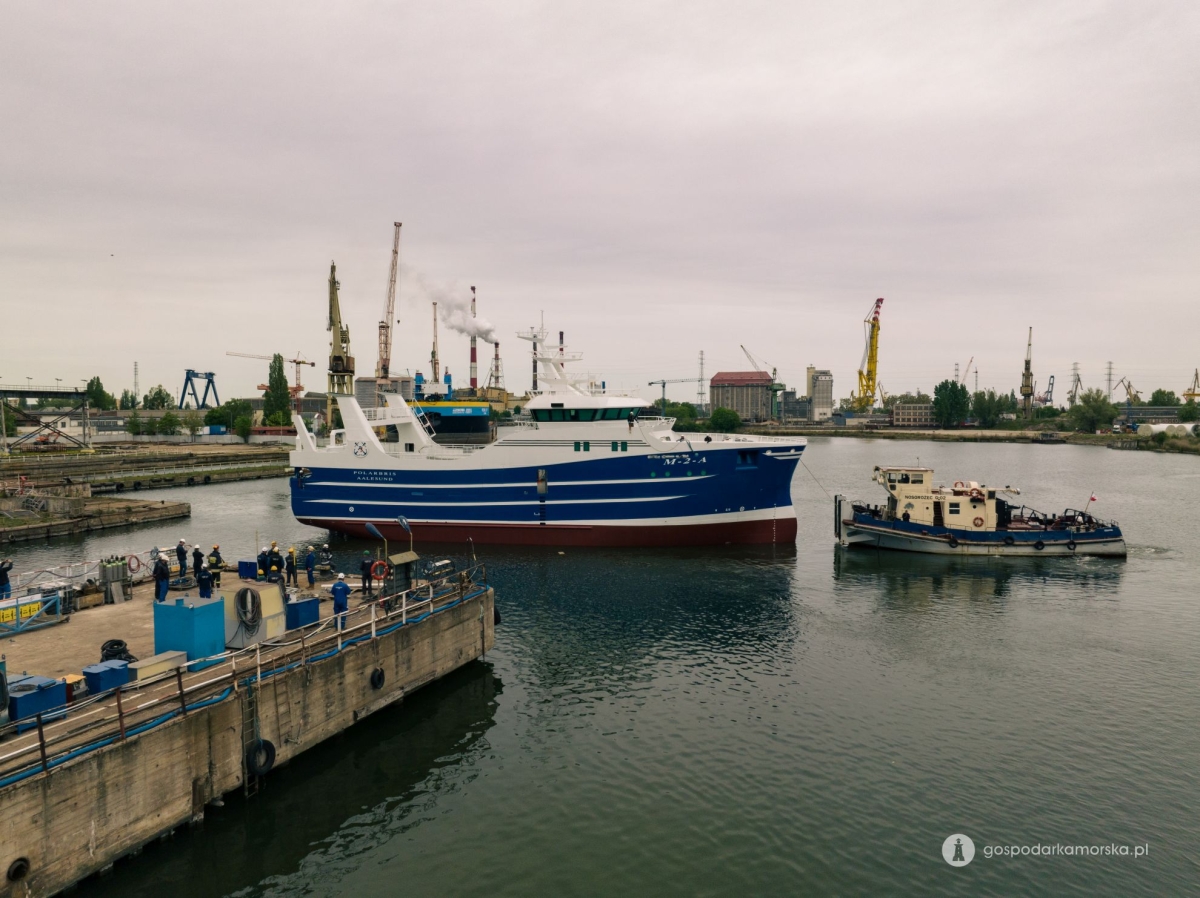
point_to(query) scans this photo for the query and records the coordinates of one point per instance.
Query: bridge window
(918, 478)
(954, 507)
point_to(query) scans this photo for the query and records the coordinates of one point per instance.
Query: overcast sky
(658, 178)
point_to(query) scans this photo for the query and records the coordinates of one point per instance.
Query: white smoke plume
(454, 308)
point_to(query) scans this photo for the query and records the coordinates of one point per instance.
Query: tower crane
(868, 369)
(1027, 379)
(759, 365)
(341, 362)
(967, 371)
(295, 390)
(384, 364)
(677, 380)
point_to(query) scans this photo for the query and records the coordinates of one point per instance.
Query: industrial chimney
(474, 367)
(433, 358)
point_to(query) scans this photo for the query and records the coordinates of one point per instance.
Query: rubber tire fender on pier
(377, 678)
(260, 757)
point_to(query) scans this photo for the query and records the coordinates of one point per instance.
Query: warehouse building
(746, 392)
(912, 414)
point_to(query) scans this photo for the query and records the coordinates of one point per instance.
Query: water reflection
(599, 619)
(911, 578)
(345, 796)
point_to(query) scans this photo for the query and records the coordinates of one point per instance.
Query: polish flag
(1093, 499)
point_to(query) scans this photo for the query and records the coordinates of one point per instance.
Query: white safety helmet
(181, 542)
(265, 549)
(341, 576)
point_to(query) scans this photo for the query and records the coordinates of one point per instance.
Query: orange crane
(1192, 393)
(296, 390)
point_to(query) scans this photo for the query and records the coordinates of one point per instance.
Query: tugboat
(967, 518)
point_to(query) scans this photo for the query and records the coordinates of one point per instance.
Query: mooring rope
(814, 477)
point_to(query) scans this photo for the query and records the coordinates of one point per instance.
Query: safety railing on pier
(96, 722)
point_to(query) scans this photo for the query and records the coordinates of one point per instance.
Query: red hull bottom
(741, 532)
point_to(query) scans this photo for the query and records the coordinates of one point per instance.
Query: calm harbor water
(797, 720)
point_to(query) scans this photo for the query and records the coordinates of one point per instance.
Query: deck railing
(98, 721)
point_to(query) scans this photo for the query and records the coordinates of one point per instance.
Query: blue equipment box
(105, 676)
(29, 695)
(248, 570)
(195, 626)
(302, 612)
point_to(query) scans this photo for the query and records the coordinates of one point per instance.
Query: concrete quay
(69, 516)
(124, 769)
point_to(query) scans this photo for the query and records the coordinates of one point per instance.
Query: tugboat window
(918, 478)
(954, 507)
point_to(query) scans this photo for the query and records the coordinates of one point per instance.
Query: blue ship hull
(709, 496)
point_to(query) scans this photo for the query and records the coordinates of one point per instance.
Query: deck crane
(1027, 379)
(383, 366)
(1192, 393)
(341, 362)
(869, 366)
(677, 380)
(299, 362)
(776, 387)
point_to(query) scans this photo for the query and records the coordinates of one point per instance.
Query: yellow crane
(1192, 393)
(869, 367)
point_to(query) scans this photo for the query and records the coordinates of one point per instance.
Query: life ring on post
(1039, 545)
(260, 757)
(379, 570)
(135, 564)
(978, 522)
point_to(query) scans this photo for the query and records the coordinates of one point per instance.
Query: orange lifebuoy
(135, 564)
(958, 484)
(379, 570)
(976, 494)
(978, 522)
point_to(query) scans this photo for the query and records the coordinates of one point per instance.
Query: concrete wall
(82, 816)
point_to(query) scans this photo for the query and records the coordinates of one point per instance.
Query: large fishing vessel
(580, 467)
(967, 518)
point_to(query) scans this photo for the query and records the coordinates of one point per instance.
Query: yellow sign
(8, 613)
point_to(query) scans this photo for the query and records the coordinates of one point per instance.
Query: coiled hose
(248, 604)
(116, 650)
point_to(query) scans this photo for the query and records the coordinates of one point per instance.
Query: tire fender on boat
(1008, 540)
(1071, 544)
(1039, 545)
(953, 541)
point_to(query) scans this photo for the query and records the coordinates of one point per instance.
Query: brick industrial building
(746, 392)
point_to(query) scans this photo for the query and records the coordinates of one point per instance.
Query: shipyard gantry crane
(1027, 379)
(1076, 386)
(383, 366)
(341, 362)
(868, 369)
(776, 387)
